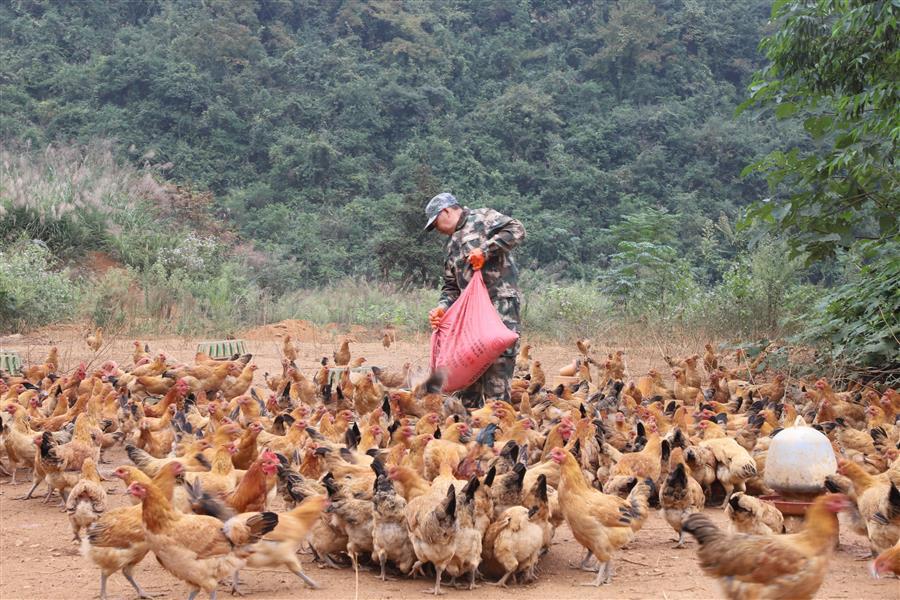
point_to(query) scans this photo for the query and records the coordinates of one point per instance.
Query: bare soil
(38, 559)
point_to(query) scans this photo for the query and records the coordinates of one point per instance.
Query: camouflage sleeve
(449, 288)
(505, 234)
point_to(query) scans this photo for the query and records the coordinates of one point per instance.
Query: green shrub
(857, 321)
(351, 302)
(31, 292)
(758, 294)
(566, 311)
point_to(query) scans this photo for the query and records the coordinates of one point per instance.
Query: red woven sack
(469, 338)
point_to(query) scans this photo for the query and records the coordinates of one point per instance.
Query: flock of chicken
(375, 466)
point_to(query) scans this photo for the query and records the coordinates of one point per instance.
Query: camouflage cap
(436, 205)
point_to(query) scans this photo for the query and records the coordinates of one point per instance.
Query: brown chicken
(342, 354)
(754, 516)
(887, 562)
(513, 543)
(116, 541)
(198, 549)
(599, 522)
(95, 340)
(710, 359)
(279, 547)
(390, 539)
(680, 495)
(431, 520)
(288, 350)
(684, 392)
(763, 566)
(18, 440)
(878, 501)
(87, 500)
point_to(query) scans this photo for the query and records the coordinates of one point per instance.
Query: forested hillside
(323, 127)
(306, 136)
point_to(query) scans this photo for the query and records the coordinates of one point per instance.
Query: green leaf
(785, 110)
(817, 126)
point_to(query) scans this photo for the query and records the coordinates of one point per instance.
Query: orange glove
(476, 259)
(435, 317)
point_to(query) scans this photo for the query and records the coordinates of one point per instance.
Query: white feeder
(799, 460)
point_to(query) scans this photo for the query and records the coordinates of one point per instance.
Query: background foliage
(269, 157)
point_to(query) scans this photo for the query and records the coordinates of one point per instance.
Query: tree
(836, 63)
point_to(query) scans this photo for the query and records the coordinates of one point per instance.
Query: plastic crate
(222, 349)
(10, 362)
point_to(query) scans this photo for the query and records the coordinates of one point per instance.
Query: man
(477, 235)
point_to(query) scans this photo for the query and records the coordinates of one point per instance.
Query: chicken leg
(585, 564)
(128, 575)
(604, 575)
(437, 582)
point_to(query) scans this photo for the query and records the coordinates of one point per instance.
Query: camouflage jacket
(496, 235)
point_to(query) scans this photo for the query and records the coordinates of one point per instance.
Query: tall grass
(177, 273)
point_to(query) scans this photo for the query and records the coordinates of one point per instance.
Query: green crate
(334, 373)
(10, 362)
(222, 349)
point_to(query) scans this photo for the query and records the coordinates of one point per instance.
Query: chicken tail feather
(702, 528)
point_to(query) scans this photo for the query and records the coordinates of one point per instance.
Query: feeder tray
(222, 349)
(789, 507)
(10, 362)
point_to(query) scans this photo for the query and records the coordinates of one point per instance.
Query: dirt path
(38, 560)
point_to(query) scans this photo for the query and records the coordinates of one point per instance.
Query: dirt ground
(38, 560)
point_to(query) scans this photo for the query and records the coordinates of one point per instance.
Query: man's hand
(435, 316)
(476, 258)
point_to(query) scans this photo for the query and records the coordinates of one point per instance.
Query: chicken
(523, 360)
(116, 542)
(878, 501)
(354, 518)
(599, 522)
(237, 386)
(198, 549)
(734, 465)
(279, 547)
(710, 359)
(222, 478)
(87, 500)
(393, 379)
(471, 527)
(95, 340)
(754, 516)
(513, 543)
(342, 355)
(887, 562)
(644, 464)
(151, 465)
(685, 393)
(506, 490)
(390, 538)
(156, 443)
(538, 377)
(763, 566)
(367, 395)
(288, 350)
(250, 494)
(431, 520)
(680, 495)
(702, 462)
(18, 440)
(53, 468)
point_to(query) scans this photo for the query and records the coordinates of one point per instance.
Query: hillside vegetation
(231, 157)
